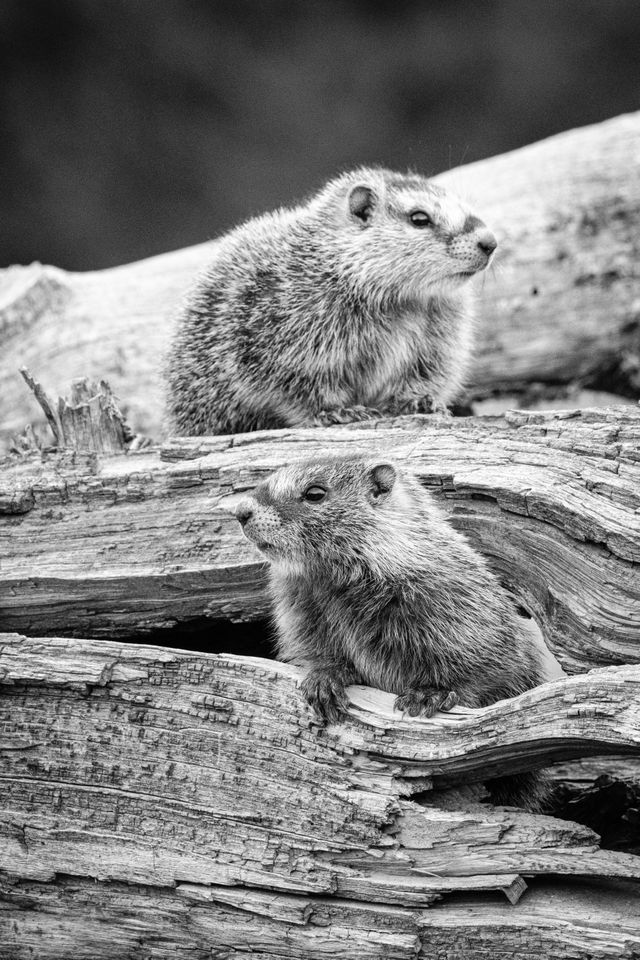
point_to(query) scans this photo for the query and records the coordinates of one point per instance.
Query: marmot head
(340, 515)
(404, 231)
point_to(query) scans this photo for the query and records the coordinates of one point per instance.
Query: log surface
(80, 919)
(563, 304)
(132, 545)
(207, 778)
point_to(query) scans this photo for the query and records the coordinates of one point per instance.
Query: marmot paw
(327, 418)
(326, 695)
(425, 701)
(421, 405)
(441, 409)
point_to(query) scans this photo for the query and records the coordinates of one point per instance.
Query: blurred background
(132, 128)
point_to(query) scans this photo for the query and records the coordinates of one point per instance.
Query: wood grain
(150, 765)
(84, 920)
(185, 789)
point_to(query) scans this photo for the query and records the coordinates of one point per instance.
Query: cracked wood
(147, 765)
(84, 920)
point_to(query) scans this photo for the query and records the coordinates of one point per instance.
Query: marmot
(355, 304)
(372, 585)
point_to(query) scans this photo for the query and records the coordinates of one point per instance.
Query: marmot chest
(382, 363)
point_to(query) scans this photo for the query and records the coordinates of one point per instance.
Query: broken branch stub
(88, 421)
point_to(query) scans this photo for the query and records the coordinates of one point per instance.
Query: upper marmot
(356, 300)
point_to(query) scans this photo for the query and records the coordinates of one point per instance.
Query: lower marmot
(354, 304)
(372, 585)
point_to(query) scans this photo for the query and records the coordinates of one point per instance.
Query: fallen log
(146, 543)
(199, 789)
(80, 919)
(567, 215)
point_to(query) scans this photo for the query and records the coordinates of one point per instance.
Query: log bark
(135, 545)
(563, 306)
(191, 801)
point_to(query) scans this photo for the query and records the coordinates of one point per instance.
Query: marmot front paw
(425, 701)
(325, 694)
(424, 404)
(327, 418)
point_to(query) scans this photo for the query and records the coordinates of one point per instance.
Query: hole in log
(202, 634)
(602, 793)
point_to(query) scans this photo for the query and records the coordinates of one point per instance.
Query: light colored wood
(84, 920)
(150, 765)
(87, 421)
(124, 546)
(564, 304)
(561, 305)
(197, 794)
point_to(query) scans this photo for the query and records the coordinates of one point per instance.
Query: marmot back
(372, 585)
(354, 304)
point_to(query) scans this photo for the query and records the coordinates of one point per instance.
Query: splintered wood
(201, 789)
(88, 421)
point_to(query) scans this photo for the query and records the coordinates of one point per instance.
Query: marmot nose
(487, 242)
(244, 511)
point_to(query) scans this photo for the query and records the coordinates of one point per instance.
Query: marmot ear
(383, 477)
(362, 201)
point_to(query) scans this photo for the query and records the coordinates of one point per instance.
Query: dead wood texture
(563, 306)
(80, 919)
(124, 547)
(88, 421)
(160, 802)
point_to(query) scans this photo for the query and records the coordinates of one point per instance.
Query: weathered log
(84, 920)
(197, 776)
(566, 308)
(131, 545)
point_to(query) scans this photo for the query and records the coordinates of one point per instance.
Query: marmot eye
(421, 219)
(314, 494)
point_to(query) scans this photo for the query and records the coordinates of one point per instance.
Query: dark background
(131, 127)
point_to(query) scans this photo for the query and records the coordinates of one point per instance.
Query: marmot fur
(372, 585)
(355, 304)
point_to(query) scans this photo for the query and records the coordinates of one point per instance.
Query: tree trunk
(566, 212)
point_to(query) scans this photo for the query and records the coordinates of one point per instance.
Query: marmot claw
(424, 404)
(426, 701)
(325, 694)
(328, 418)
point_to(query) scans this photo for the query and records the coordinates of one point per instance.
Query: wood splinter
(87, 421)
